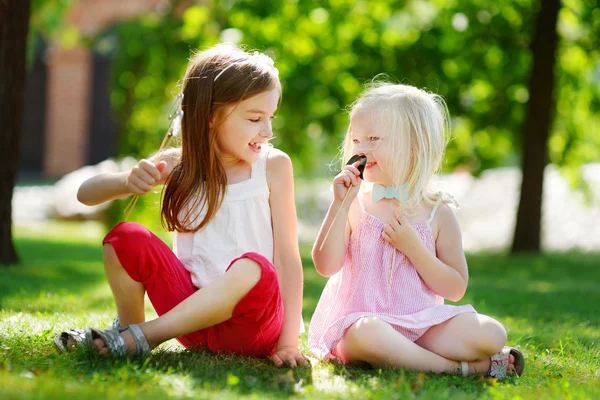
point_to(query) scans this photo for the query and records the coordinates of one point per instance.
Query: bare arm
(330, 258)
(140, 180)
(446, 274)
(286, 255)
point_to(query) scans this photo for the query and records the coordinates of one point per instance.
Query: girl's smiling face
(368, 140)
(247, 127)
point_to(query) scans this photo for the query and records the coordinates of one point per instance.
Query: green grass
(549, 304)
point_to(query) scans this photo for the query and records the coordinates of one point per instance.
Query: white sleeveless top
(241, 225)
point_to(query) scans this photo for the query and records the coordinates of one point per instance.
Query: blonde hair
(418, 125)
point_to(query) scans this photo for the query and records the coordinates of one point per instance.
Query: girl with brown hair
(229, 198)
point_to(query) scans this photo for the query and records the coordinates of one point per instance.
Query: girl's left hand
(288, 356)
(400, 234)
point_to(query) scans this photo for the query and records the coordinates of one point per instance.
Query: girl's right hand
(144, 176)
(347, 179)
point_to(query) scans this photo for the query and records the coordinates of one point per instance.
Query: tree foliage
(476, 54)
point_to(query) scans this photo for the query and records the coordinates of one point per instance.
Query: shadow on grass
(407, 384)
(48, 268)
(191, 372)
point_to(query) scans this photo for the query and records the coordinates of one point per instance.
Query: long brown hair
(198, 183)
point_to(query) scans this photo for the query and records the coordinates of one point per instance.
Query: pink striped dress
(364, 287)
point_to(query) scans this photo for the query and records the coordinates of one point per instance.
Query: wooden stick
(334, 218)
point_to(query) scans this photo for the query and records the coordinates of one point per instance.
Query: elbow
(456, 297)
(323, 272)
(83, 196)
(317, 262)
(457, 294)
(320, 267)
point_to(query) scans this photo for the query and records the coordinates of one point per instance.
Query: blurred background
(521, 79)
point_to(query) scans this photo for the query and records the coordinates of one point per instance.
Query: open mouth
(370, 164)
(256, 146)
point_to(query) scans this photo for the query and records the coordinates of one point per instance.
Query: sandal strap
(111, 338)
(62, 339)
(78, 336)
(464, 368)
(519, 360)
(499, 364)
(117, 324)
(143, 347)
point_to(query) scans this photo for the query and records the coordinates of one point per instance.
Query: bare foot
(482, 367)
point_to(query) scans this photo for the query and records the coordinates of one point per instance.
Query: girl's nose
(267, 131)
(362, 149)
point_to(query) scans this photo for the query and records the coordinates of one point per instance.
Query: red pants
(254, 328)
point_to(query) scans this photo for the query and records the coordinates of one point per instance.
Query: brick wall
(70, 82)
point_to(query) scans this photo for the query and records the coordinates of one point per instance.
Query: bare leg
(467, 337)
(374, 341)
(209, 306)
(128, 294)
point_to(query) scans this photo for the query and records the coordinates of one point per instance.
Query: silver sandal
(116, 344)
(499, 363)
(69, 340)
(61, 341)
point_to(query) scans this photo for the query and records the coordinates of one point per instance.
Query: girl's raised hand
(401, 234)
(144, 176)
(347, 179)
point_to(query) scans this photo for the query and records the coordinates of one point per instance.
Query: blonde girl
(394, 253)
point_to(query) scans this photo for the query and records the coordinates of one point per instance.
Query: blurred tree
(475, 53)
(46, 15)
(536, 129)
(14, 25)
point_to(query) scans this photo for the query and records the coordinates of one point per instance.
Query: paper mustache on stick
(361, 169)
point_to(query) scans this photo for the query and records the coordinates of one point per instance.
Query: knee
(110, 255)
(130, 233)
(364, 333)
(493, 337)
(244, 274)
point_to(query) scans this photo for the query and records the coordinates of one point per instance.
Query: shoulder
(279, 165)
(277, 158)
(445, 213)
(445, 219)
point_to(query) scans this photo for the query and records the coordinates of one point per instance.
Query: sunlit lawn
(549, 304)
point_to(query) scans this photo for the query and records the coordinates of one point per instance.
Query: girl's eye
(373, 139)
(355, 141)
(258, 119)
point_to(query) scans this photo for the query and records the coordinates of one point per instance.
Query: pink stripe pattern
(363, 288)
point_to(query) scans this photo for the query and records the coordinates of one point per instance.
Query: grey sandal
(68, 340)
(76, 337)
(499, 363)
(116, 344)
